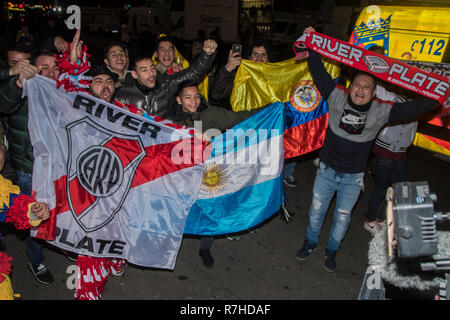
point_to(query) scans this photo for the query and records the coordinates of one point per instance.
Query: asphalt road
(259, 266)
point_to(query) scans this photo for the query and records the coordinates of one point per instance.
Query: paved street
(259, 266)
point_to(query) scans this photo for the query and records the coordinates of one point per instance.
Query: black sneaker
(306, 251)
(290, 182)
(72, 256)
(208, 260)
(330, 260)
(41, 273)
(119, 273)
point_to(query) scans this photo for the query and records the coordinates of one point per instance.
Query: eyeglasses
(364, 87)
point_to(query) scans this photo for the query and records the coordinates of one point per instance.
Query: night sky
(279, 5)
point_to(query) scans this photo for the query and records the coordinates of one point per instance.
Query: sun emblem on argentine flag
(214, 178)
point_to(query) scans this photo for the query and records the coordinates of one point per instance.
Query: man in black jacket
(152, 91)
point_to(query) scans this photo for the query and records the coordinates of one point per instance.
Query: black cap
(102, 69)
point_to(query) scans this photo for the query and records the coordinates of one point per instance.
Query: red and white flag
(118, 185)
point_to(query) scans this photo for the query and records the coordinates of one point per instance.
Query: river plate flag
(289, 81)
(243, 182)
(109, 177)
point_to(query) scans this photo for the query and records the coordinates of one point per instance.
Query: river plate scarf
(388, 69)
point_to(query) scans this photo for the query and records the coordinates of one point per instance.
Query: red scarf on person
(425, 83)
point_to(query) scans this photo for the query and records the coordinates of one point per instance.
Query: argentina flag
(242, 185)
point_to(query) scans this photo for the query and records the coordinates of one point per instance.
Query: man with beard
(152, 91)
(102, 86)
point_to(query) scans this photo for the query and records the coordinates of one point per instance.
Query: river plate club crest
(100, 169)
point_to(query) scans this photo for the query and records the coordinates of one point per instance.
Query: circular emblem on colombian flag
(306, 97)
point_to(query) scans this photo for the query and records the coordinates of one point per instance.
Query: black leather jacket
(157, 100)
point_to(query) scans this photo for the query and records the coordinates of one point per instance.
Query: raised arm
(322, 79)
(223, 82)
(411, 109)
(72, 65)
(200, 67)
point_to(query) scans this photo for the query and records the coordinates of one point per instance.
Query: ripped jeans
(348, 187)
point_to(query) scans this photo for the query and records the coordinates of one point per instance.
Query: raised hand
(75, 47)
(234, 60)
(309, 29)
(15, 70)
(209, 46)
(40, 209)
(27, 71)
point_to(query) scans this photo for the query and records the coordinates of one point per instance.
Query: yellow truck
(419, 35)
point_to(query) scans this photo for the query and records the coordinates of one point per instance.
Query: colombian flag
(306, 113)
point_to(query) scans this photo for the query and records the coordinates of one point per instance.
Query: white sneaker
(316, 162)
(290, 182)
(118, 273)
(372, 226)
(382, 224)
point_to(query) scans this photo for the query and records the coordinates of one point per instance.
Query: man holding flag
(96, 169)
(355, 117)
(191, 109)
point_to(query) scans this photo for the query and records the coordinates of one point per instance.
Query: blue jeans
(289, 169)
(385, 172)
(348, 187)
(34, 248)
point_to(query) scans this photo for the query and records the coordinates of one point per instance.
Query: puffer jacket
(157, 100)
(14, 109)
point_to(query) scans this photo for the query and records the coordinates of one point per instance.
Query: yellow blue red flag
(306, 113)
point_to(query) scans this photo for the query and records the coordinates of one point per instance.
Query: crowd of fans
(142, 73)
(147, 73)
